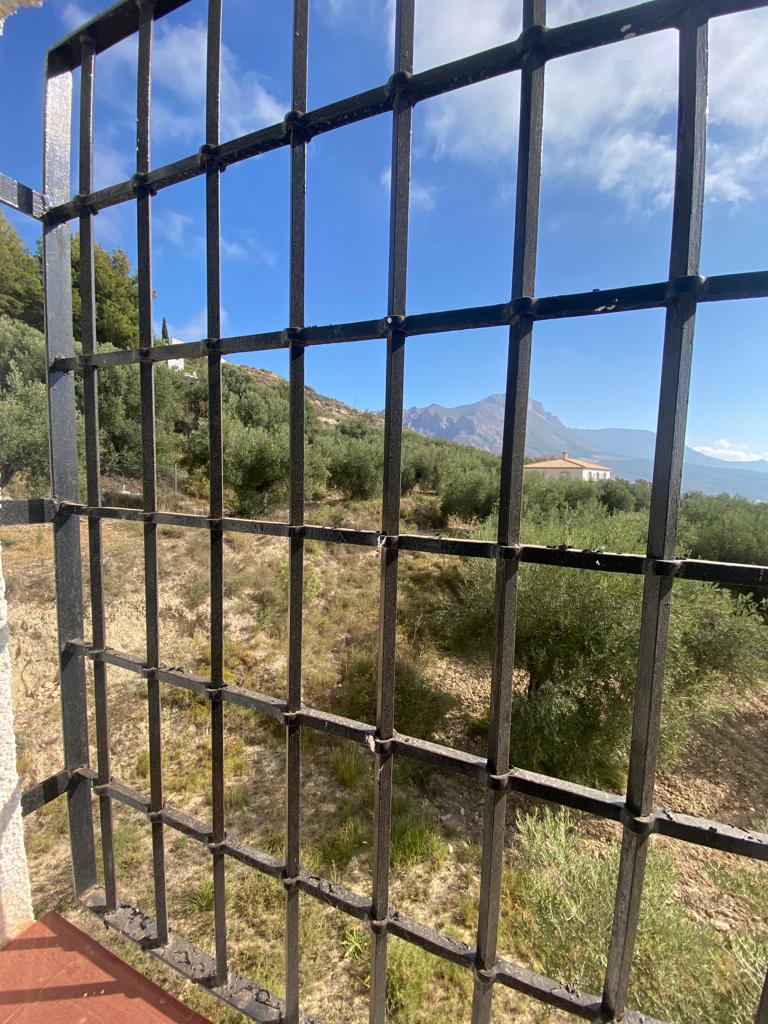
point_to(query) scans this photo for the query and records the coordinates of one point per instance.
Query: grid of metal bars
(679, 296)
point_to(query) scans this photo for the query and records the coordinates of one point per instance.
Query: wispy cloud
(732, 451)
(179, 69)
(609, 112)
(195, 326)
(422, 196)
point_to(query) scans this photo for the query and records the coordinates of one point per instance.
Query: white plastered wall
(15, 893)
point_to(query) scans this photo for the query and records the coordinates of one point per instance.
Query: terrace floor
(53, 972)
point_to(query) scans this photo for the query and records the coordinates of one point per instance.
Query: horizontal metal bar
(104, 30)
(44, 792)
(555, 993)
(26, 511)
(21, 197)
(725, 287)
(611, 806)
(335, 725)
(247, 997)
(560, 556)
(258, 1004)
(613, 27)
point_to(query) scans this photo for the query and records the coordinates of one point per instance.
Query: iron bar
(725, 287)
(216, 481)
(296, 395)
(149, 462)
(62, 430)
(93, 470)
(510, 506)
(22, 198)
(390, 512)
(665, 498)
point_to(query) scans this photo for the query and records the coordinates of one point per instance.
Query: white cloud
(110, 166)
(609, 112)
(173, 226)
(196, 326)
(73, 15)
(422, 197)
(179, 73)
(731, 451)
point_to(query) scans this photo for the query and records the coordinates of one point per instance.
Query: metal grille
(679, 296)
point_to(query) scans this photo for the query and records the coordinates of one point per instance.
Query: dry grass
(437, 821)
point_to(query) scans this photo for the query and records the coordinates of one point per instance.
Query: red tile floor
(52, 973)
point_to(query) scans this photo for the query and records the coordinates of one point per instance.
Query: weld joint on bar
(484, 975)
(689, 286)
(534, 42)
(523, 306)
(139, 183)
(211, 159)
(395, 321)
(295, 127)
(378, 926)
(665, 566)
(400, 85)
(511, 552)
(219, 847)
(387, 540)
(642, 825)
(289, 882)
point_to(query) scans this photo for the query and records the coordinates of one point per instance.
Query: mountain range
(628, 453)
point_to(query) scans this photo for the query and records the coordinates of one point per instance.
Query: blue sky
(605, 214)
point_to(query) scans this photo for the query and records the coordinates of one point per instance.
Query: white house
(176, 364)
(576, 469)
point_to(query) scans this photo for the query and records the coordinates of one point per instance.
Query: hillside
(629, 453)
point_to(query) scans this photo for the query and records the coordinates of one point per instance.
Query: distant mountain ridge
(629, 453)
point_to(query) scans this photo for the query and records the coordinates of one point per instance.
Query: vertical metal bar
(63, 453)
(510, 505)
(296, 511)
(216, 477)
(93, 468)
(402, 115)
(665, 497)
(761, 1017)
(148, 461)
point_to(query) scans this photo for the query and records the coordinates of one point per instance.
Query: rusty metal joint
(139, 183)
(211, 159)
(689, 286)
(523, 306)
(533, 43)
(667, 566)
(509, 552)
(641, 825)
(294, 127)
(499, 781)
(400, 87)
(483, 975)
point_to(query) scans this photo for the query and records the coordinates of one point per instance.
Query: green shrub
(420, 707)
(578, 639)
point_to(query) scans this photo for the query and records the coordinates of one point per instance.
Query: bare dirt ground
(723, 773)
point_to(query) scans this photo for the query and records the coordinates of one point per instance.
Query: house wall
(15, 893)
(575, 473)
